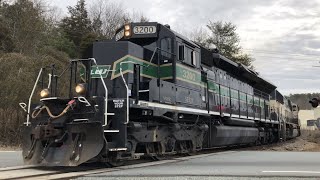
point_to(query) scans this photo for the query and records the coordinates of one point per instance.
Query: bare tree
(137, 16)
(200, 36)
(108, 16)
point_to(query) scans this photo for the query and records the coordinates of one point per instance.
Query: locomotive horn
(314, 102)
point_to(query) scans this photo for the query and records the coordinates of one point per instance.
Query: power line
(287, 58)
(281, 53)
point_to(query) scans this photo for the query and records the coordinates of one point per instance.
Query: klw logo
(118, 103)
(100, 70)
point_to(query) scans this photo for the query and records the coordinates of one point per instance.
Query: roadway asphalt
(10, 158)
(222, 165)
(227, 165)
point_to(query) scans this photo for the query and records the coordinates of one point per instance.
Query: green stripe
(183, 73)
(147, 69)
(224, 91)
(242, 96)
(187, 74)
(250, 99)
(234, 94)
(213, 87)
(256, 101)
(166, 71)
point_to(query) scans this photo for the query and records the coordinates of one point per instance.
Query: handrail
(127, 88)
(106, 94)
(64, 71)
(49, 84)
(34, 88)
(154, 52)
(157, 48)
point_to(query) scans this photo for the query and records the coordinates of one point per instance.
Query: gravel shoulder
(297, 144)
(309, 141)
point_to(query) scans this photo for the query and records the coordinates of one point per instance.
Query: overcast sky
(282, 35)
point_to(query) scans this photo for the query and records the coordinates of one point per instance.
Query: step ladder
(110, 130)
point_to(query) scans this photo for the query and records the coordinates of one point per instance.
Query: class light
(44, 93)
(80, 89)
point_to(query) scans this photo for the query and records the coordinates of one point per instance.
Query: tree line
(34, 35)
(303, 99)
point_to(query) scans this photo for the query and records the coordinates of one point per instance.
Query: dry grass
(311, 136)
(309, 141)
(10, 123)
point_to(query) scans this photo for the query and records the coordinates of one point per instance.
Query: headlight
(44, 93)
(127, 30)
(127, 33)
(80, 89)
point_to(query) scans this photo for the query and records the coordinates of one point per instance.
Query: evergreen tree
(23, 24)
(6, 43)
(225, 38)
(222, 36)
(77, 26)
(58, 40)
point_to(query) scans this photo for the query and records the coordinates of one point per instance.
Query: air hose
(38, 111)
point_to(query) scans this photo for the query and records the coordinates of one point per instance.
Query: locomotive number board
(144, 29)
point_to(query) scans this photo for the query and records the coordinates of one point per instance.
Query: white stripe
(226, 114)
(310, 172)
(50, 98)
(81, 120)
(117, 149)
(111, 131)
(243, 117)
(176, 108)
(214, 113)
(234, 115)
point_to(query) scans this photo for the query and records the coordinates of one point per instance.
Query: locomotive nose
(314, 102)
(78, 143)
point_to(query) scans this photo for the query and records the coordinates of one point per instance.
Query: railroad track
(34, 172)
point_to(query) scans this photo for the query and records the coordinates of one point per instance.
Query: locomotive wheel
(192, 153)
(115, 163)
(158, 157)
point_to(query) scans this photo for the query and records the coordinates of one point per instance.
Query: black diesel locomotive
(148, 92)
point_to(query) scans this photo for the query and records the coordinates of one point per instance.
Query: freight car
(148, 92)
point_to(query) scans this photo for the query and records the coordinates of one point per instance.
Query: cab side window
(188, 55)
(166, 50)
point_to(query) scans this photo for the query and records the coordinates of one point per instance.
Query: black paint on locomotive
(166, 95)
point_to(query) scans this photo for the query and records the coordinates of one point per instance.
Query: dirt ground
(10, 148)
(308, 141)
